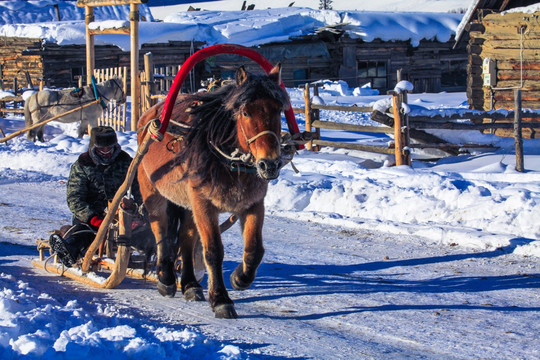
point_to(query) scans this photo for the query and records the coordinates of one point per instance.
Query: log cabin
(503, 55)
(337, 51)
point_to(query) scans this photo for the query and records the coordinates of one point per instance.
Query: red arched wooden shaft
(206, 53)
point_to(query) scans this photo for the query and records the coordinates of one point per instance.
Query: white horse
(45, 104)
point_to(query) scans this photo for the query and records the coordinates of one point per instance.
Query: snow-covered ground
(364, 260)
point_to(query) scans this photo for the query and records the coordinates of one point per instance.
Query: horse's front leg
(206, 218)
(252, 224)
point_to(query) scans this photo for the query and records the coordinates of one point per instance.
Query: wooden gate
(115, 114)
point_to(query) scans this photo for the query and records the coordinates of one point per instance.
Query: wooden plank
(517, 74)
(472, 115)
(94, 3)
(496, 19)
(124, 30)
(361, 147)
(463, 126)
(15, 111)
(513, 42)
(529, 54)
(351, 127)
(342, 108)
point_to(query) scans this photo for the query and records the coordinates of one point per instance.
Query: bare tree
(325, 4)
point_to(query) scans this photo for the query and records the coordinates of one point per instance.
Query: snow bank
(36, 326)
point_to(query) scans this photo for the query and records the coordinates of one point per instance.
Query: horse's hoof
(238, 284)
(194, 294)
(166, 290)
(225, 311)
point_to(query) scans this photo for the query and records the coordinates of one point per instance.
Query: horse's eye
(245, 114)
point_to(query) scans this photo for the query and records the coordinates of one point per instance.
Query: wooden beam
(361, 147)
(351, 127)
(342, 108)
(90, 55)
(94, 3)
(115, 31)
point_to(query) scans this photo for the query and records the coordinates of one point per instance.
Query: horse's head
(257, 104)
(114, 90)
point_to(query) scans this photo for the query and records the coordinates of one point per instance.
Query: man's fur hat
(102, 136)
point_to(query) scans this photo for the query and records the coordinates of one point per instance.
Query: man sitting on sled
(93, 180)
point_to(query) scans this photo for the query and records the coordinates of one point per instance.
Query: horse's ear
(275, 73)
(241, 75)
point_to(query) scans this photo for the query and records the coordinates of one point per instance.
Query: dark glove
(96, 221)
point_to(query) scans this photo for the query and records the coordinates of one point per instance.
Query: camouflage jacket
(90, 186)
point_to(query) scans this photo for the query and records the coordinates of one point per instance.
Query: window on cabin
(227, 74)
(454, 73)
(299, 77)
(76, 73)
(374, 72)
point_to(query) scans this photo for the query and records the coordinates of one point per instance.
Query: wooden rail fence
(406, 127)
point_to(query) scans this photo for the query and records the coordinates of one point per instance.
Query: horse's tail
(27, 115)
(28, 119)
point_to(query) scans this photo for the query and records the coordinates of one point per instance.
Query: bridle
(241, 161)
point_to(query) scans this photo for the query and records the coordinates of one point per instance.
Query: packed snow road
(322, 292)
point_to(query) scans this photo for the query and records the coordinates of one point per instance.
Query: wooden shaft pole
(20, 132)
(517, 131)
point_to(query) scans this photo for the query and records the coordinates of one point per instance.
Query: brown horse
(219, 152)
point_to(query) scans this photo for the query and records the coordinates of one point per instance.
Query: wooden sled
(116, 260)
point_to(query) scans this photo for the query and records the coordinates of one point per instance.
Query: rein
(96, 93)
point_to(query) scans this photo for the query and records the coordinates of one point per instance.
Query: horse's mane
(214, 122)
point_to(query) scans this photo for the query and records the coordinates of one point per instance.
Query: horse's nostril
(263, 165)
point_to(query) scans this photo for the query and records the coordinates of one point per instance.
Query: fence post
(517, 131)
(406, 134)
(317, 117)
(149, 81)
(307, 110)
(398, 143)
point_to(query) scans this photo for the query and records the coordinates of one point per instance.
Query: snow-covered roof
(256, 27)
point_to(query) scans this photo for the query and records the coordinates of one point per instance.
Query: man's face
(105, 151)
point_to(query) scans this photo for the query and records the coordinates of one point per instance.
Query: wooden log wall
(512, 41)
(14, 63)
(423, 65)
